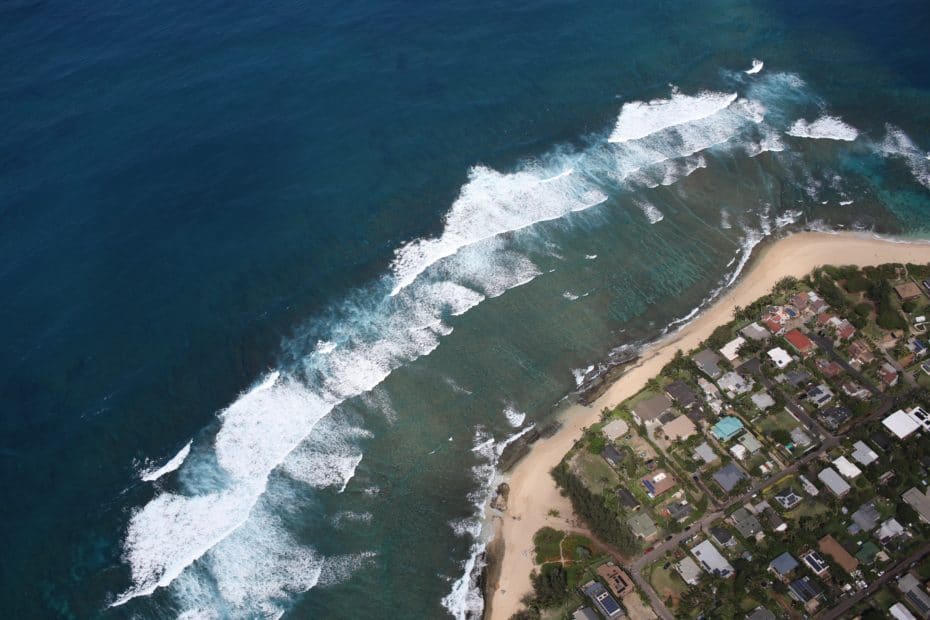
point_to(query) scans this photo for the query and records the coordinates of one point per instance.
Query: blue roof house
(727, 428)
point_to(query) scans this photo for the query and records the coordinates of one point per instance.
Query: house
(658, 482)
(808, 486)
(799, 301)
(711, 560)
(642, 526)
(773, 324)
(750, 443)
(679, 511)
(815, 562)
(723, 536)
(800, 342)
(745, 523)
(835, 417)
(800, 438)
(881, 440)
(907, 291)
(914, 594)
(727, 428)
(627, 500)
(762, 400)
(899, 612)
(603, 600)
(866, 517)
(648, 411)
(681, 393)
(729, 476)
(787, 498)
(754, 331)
(860, 354)
(760, 613)
(783, 565)
(617, 581)
(819, 395)
(779, 357)
(829, 546)
(679, 428)
(844, 329)
(612, 455)
(615, 429)
(705, 453)
(888, 531)
(888, 375)
(919, 501)
(867, 552)
(794, 377)
(833, 481)
(739, 451)
(730, 351)
(689, 570)
(734, 384)
(805, 591)
(828, 369)
(585, 613)
(776, 523)
(901, 423)
(708, 362)
(846, 468)
(920, 416)
(854, 390)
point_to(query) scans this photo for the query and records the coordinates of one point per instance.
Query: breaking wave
(824, 128)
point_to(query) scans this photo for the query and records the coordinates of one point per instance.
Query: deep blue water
(192, 196)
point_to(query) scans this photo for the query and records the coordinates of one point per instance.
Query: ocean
(281, 279)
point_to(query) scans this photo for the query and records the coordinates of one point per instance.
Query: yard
(594, 471)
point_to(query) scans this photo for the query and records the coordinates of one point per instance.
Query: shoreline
(533, 492)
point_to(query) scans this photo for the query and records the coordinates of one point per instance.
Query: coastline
(533, 492)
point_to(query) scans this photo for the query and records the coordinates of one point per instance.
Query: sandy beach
(533, 493)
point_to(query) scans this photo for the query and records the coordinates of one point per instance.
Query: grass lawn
(594, 471)
(807, 508)
(667, 582)
(546, 542)
(777, 420)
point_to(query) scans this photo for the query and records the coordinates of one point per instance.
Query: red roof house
(801, 343)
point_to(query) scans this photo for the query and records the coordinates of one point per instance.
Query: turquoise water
(281, 280)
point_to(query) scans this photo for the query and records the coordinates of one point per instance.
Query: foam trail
(651, 212)
(514, 418)
(756, 67)
(638, 119)
(176, 461)
(899, 144)
(824, 128)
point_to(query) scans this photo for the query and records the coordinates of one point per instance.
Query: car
(669, 537)
(666, 565)
(648, 549)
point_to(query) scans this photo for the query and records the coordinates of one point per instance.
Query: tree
(550, 585)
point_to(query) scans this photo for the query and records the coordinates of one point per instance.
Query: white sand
(533, 492)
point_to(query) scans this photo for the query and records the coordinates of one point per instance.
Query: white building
(902, 424)
(781, 357)
(846, 468)
(731, 349)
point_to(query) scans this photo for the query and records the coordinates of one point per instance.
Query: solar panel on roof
(610, 605)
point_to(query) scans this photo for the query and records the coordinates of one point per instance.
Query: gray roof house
(729, 476)
(783, 565)
(833, 481)
(911, 589)
(651, 409)
(760, 613)
(711, 559)
(689, 570)
(919, 501)
(866, 518)
(681, 393)
(708, 362)
(723, 536)
(745, 523)
(705, 453)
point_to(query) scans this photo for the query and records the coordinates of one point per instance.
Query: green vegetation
(550, 585)
(547, 543)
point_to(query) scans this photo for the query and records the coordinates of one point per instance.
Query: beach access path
(533, 492)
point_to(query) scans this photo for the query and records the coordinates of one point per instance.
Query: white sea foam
(788, 217)
(899, 144)
(151, 475)
(639, 119)
(348, 516)
(756, 67)
(590, 256)
(824, 128)
(844, 203)
(569, 296)
(514, 417)
(651, 212)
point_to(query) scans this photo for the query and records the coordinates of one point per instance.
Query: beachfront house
(730, 351)
(615, 429)
(682, 394)
(603, 600)
(649, 411)
(754, 331)
(708, 362)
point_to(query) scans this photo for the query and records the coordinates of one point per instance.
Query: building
(808, 486)
(681, 393)
(787, 498)
(800, 342)
(613, 455)
(828, 369)
(617, 581)
(914, 594)
(779, 357)
(833, 481)
(754, 331)
(919, 501)
(805, 592)
(783, 565)
(728, 477)
(800, 438)
(705, 453)
(762, 400)
(745, 523)
(679, 511)
(865, 518)
(776, 523)
(711, 560)
(902, 424)
(888, 531)
(627, 500)
(585, 613)
(603, 600)
(679, 428)
(735, 384)
(658, 482)
(689, 570)
(723, 536)
(760, 613)
(846, 468)
(835, 417)
(863, 454)
(615, 429)
(642, 526)
(907, 291)
(899, 612)
(649, 410)
(860, 354)
(727, 428)
(815, 562)
(819, 395)
(888, 374)
(708, 362)
(854, 390)
(749, 441)
(829, 546)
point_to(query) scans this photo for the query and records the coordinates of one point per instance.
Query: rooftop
(863, 454)
(901, 424)
(708, 362)
(727, 427)
(711, 559)
(799, 341)
(679, 428)
(651, 408)
(615, 429)
(784, 564)
(681, 393)
(919, 501)
(834, 482)
(729, 476)
(731, 349)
